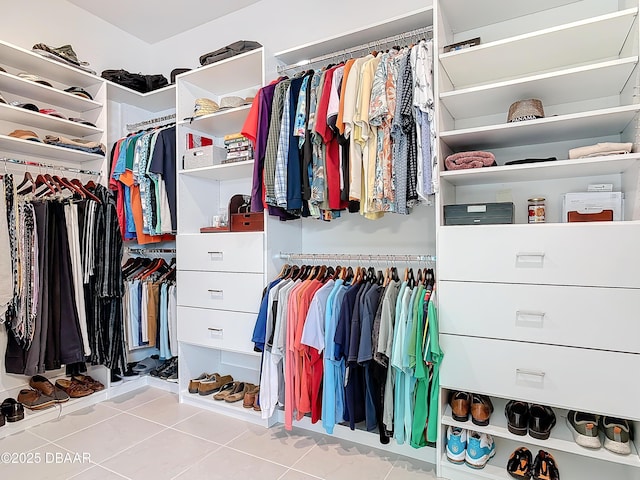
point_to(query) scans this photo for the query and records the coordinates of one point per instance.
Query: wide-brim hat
(205, 106)
(522, 110)
(234, 102)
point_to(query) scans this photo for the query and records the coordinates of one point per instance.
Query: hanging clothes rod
(136, 126)
(356, 257)
(53, 167)
(143, 251)
(425, 32)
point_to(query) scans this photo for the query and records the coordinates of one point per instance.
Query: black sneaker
(617, 435)
(171, 370)
(115, 378)
(541, 421)
(517, 414)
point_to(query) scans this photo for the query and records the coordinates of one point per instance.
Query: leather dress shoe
(481, 409)
(73, 388)
(45, 387)
(12, 410)
(517, 414)
(541, 420)
(35, 400)
(460, 403)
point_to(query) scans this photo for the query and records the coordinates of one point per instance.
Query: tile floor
(147, 434)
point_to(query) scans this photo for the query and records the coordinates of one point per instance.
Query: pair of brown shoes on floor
(236, 391)
(42, 394)
(206, 383)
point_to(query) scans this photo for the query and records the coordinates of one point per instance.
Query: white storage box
(590, 205)
(203, 157)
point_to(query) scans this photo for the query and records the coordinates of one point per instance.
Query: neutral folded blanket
(600, 149)
(474, 159)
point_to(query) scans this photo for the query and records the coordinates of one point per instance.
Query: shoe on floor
(239, 392)
(481, 409)
(520, 463)
(456, 444)
(460, 404)
(45, 387)
(480, 448)
(148, 364)
(250, 397)
(115, 379)
(517, 414)
(617, 435)
(12, 410)
(541, 420)
(213, 383)
(226, 390)
(544, 467)
(89, 382)
(130, 375)
(74, 389)
(194, 383)
(584, 428)
(34, 399)
(170, 369)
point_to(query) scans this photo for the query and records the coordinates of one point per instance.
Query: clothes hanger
(284, 270)
(90, 195)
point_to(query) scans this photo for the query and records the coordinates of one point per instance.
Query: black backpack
(136, 81)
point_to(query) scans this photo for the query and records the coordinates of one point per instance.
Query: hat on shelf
(34, 78)
(234, 102)
(525, 110)
(25, 135)
(52, 112)
(205, 106)
(81, 120)
(28, 106)
(80, 92)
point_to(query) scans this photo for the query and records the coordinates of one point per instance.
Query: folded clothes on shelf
(473, 159)
(76, 144)
(600, 149)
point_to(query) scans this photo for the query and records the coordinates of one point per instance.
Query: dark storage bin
(479, 213)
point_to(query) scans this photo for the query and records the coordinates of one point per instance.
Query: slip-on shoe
(74, 389)
(35, 400)
(517, 414)
(481, 409)
(12, 410)
(45, 387)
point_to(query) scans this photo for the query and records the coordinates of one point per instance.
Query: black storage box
(479, 213)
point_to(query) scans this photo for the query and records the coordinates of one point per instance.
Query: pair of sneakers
(470, 447)
(594, 431)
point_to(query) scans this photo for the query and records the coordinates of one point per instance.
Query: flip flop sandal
(148, 364)
(238, 393)
(227, 389)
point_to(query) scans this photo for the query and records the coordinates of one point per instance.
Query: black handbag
(136, 81)
(231, 50)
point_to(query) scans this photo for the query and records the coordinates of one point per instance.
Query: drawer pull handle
(215, 329)
(217, 255)
(534, 373)
(530, 378)
(530, 318)
(211, 290)
(530, 259)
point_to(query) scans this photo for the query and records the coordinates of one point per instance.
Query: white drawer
(573, 378)
(221, 252)
(595, 254)
(573, 316)
(240, 292)
(216, 329)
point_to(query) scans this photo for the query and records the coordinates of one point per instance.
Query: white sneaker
(480, 448)
(456, 444)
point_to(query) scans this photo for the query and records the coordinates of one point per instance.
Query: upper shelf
(155, 101)
(42, 93)
(600, 80)
(43, 150)
(582, 167)
(220, 123)
(30, 62)
(596, 123)
(463, 15)
(29, 118)
(232, 74)
(580, 42)
(228, 171)
(393, 26)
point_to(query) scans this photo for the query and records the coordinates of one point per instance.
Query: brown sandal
(226, 390)
(73, 389)
(239, 392)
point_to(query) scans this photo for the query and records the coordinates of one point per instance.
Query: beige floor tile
(166, 410)
(295, 475)
(21, 442)
(410, 469)
(72, 422)
(161, 457)
(98, 473)
(339, 460)
(275, 444)
(136, 398)
(213, 426)
(110, 437)
(226, 463)
(49, 461)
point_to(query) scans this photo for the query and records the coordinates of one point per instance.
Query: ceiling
(153, 21)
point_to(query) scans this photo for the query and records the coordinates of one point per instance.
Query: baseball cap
(52, 112)
(81, 92)
(81, 120)
(28, 106)
(34, 78)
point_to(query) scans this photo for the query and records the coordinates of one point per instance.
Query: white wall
(278, 25)
(58, 22)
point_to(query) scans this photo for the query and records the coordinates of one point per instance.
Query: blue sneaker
(456, 444)
(480, 448)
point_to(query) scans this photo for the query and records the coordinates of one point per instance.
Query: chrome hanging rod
(425, 32)
(143, 251)
(165, 118)
(29, 163)
(356, 257)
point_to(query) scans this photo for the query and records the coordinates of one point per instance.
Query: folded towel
(600, 149)
(475, 159)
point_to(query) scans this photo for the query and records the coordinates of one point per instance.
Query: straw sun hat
(525, 110)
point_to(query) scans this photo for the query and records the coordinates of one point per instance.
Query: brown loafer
(89, 382)
(45, 387)
(481, 409)
(213, 383)
(35, 400)
(194, 383)
(460, 404)
(226, 390)
(73, 389)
